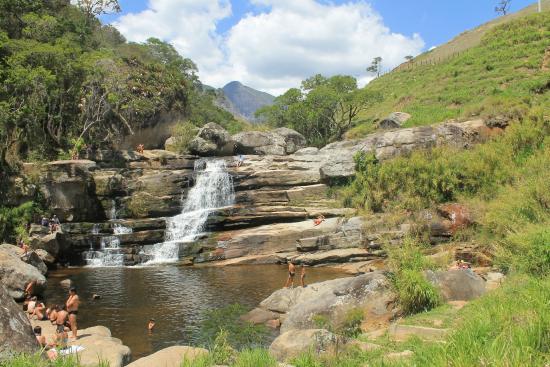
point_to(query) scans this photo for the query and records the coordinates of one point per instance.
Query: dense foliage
(67, 80)
(323, 109)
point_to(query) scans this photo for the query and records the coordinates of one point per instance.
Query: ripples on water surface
(174, 296)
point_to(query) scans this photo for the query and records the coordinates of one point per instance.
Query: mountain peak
(245, 100)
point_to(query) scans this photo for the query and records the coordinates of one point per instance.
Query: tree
(503, 7)
(323, 109)
(409, 58)
(94, 8)
(376, 66)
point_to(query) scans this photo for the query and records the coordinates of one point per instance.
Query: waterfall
(213, 189)
(109, 252)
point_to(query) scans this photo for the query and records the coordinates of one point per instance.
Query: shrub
(351, 325)
(182, 133)
(240, 334)
(528, 251)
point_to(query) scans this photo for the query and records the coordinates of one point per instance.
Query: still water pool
(175, 296)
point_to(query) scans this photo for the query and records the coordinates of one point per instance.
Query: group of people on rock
(292, 273)
(460, 264)
(53, 224)
(62, 316)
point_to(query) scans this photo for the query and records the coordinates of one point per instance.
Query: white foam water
(109, 253)
(213, 189)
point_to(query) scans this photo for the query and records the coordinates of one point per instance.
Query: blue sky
(273, 44)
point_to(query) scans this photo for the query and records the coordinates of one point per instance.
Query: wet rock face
(16, 335)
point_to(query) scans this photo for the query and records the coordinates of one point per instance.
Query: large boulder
(394, 120)
(170, 357)
(16, 335)
(294, 141)
(292, 343)
(47, 258)
(46, 242)
(15, 274)
(212, 140)
(30, 258)
(260, 143)
(333, 299)
(457, 285)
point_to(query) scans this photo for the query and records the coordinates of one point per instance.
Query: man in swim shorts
(72, 307)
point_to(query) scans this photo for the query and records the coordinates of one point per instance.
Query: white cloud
(288, 41)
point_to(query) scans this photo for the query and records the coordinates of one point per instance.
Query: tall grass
(37, 360)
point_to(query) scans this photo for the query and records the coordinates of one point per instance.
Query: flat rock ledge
(98, 345)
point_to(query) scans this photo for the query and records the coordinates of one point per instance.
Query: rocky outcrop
(212, 140)
(97, 343)
(170, 357)
(16, 335)
(394, 120)
(292, 343)
(333, 299)
(260, 143)
(30, 257)
(457, 285)
(15, 274)
(294, 141)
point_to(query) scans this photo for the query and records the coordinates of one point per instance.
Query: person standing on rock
(303, 276)
(72, 307)
(291, 273)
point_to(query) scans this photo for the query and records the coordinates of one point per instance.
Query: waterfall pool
(175, 296)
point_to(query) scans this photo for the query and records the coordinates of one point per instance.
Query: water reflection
(174, 296)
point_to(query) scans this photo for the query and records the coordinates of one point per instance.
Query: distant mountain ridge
(243, 101)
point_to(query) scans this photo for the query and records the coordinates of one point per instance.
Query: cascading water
(109, 253)
(213, 189)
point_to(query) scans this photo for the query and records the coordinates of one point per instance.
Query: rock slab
(169, 357)
(295, 342)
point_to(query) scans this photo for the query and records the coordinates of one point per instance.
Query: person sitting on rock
(45, 222)
(41, 339)
(291, 273)
(140, 148)
(320, 219)
(54, 224)
(39, 312)
(31, 305)
(51, 312)
(29, 289)
(240, 160)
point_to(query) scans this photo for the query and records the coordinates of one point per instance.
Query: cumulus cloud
(276, 48)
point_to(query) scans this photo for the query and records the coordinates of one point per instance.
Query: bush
(407, 263)
(255, 358)
(240, 334)
(528, 251)
(445, 173)
(182, 133)
(13, 220)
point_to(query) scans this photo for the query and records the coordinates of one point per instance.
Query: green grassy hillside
(506, 73)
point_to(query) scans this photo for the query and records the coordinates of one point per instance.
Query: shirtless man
(291, 273)
(31, 305)
(72, 306)
(62, 316)
(52, 313)
(303, 275)
(39, 312)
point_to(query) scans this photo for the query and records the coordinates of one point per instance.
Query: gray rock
(170, 357)
(212, 140)
(66, 283)
(292, 343)
(259, 142)
(46, 242)
(294, 140)
(47, 258)
(334, 299)
(170, 144)
(394, 120)
(16, 274)
(307, 151)
(259, 316)
(16, 335)
(457, 285)
(30, 258)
